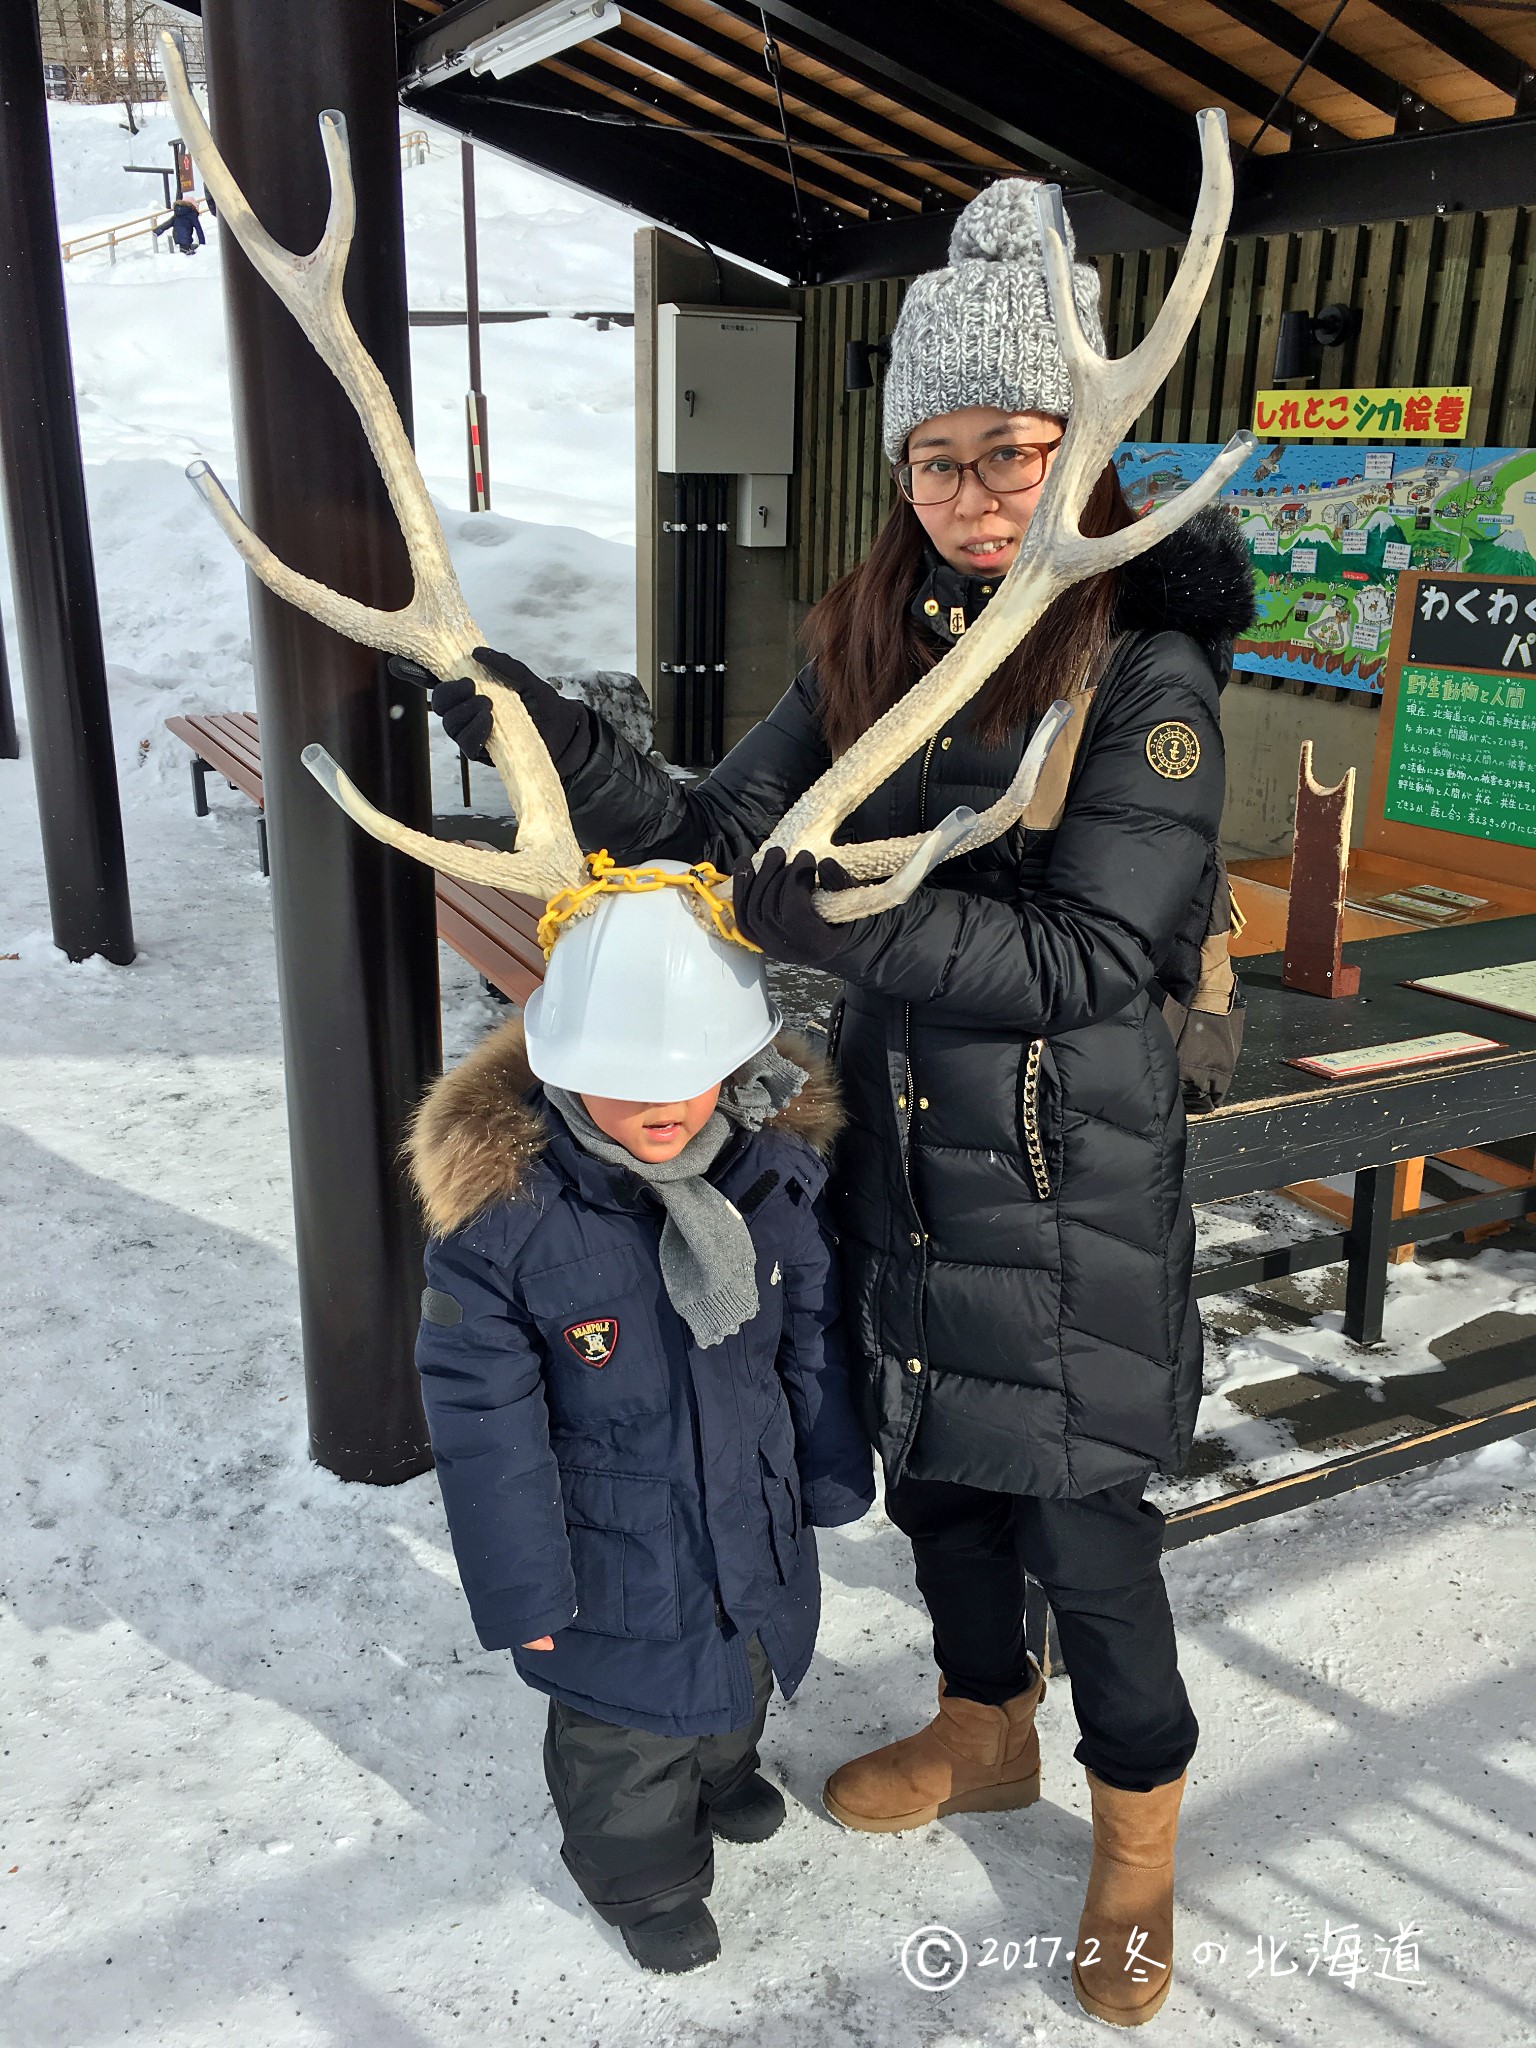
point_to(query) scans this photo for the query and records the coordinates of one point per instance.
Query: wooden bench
(229, 743)
(496, 933)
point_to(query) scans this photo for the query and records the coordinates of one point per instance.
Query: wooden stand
(1314, 928)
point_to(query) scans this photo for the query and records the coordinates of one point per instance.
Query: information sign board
(1463, 755)
(1413, 412)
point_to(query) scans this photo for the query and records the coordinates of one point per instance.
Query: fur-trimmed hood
(477, 1137)
(1198, 581)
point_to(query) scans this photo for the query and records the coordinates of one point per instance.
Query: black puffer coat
(1016, 1245)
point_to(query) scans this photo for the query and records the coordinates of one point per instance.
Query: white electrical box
(725, 390)
(762, 511)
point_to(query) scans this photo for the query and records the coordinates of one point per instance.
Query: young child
(635, 1387)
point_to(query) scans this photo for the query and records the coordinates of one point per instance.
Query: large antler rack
(435, 628)
(1107, 396)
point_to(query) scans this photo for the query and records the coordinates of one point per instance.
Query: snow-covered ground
(258, 1783)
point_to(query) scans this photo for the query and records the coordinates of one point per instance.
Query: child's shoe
(750, 1812)
(683, 1939)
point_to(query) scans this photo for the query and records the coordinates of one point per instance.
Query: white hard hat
(642, 1003)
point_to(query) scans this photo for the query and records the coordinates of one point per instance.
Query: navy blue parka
(647, 1503)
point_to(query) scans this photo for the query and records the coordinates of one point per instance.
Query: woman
(1015, 1243)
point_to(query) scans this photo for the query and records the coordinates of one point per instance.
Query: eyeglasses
(1001, 471)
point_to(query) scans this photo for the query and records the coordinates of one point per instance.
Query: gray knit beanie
(980, 332)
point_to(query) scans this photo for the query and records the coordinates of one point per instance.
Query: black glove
(1208, 1043)
(775, 908)
(566, 726)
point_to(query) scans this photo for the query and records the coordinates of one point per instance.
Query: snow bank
(152, 371)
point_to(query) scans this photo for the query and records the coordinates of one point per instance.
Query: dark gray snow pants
(634, 1806)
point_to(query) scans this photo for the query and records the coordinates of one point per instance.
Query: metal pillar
(355, 923)
(474, 404)
(1368, 1247)
(10, 741)
(58, 629)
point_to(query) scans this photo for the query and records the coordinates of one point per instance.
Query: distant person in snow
(185, 226)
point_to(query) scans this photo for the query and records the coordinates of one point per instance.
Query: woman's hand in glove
(562, 723)
(775, 908)
(1208, 1047)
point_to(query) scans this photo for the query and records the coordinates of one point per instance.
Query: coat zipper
(922, 788)
(1032, 1141)
(906, 1008)
(921, 1244)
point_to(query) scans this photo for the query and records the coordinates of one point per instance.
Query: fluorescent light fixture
(543, 33)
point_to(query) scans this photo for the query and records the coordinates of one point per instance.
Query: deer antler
(1107, 395)
(435, 628)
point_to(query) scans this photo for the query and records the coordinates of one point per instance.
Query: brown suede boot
(969, 1759)
(1123, 1962)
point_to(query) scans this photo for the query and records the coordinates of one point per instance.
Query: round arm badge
(1173, 749)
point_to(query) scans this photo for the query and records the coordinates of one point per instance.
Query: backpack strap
(1044, 810)
(1217, 985)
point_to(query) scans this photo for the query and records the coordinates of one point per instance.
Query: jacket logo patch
(440, 1308)
(957, 619)
(1173, 749)
(595, 1341)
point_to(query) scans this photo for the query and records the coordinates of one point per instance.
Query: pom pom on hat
(1000, 226)
(980, 331)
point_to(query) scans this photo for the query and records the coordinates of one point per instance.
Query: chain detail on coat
(1038, 1168)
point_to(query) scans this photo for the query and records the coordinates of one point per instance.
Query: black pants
(635, 1806)
(1099, 1560)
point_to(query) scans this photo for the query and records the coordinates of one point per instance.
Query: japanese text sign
(1412, 412)
(1475, 622)
(1464, 755)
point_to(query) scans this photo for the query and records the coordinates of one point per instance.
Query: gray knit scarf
(708, 1261)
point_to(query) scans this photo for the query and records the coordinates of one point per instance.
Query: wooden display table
(1263, 894)
(1280, 1123)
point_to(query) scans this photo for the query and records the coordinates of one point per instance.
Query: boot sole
(988, 1799)
(760, 1833)
(1121, 2016)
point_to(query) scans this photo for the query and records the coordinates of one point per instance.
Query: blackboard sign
(1463, 754)
(1475, 622)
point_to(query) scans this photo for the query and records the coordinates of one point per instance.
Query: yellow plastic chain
(608, 879)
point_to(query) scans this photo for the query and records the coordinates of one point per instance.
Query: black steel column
(1368, 1247)
(58, 630)
(355, 922)
(10, 744)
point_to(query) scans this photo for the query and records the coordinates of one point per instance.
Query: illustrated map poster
(1330, 529)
